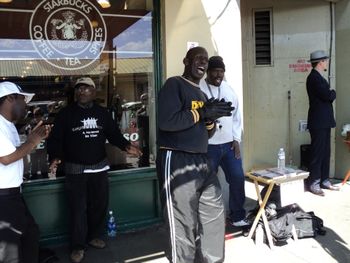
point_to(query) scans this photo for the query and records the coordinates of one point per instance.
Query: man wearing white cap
(78, 139)
(19, 234)
(320, 121)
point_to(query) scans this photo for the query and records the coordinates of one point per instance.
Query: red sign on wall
(300, 66)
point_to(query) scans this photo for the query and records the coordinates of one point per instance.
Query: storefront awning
(38, 68)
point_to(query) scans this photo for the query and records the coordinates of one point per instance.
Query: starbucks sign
(68, 34)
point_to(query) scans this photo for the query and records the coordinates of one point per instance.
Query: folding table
(262, 177)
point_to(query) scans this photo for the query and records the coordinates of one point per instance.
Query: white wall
(342, 22)
(299, 27)
(215, 25)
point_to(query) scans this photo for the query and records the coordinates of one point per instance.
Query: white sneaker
(240, 223)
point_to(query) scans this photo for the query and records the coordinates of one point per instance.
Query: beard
(19, 114)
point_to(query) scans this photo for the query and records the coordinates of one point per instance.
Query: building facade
(266, 47)
(131, 46)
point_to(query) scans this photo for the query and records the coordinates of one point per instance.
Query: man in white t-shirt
(19, 234)
(223, 147)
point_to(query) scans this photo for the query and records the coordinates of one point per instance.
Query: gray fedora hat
(318, 55)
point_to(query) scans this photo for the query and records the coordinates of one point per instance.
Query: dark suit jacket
(320, 102)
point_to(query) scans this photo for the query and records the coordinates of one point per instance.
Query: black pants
(194, 211)
(19, 234)
(88, 202)
(320, 157)
(143, 122)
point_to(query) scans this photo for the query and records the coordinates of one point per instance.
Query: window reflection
(46, 52)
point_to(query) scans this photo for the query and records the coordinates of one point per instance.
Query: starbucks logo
(68, 34)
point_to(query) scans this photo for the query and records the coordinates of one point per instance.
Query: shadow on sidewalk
(132, 247)
(334, 245)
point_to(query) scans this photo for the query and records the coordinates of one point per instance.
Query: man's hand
(131, 149)
(235, 148)
(53, 168)
(214, 109)
(39, 132)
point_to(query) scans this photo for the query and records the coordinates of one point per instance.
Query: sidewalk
(148, 245)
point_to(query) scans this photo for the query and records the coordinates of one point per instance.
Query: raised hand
(39, 133)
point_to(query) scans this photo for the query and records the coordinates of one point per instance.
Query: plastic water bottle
(281, 161)
(111, 225)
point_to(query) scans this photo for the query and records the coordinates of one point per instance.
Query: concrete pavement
(148, 245)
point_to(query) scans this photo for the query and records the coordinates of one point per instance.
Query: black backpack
(281, 224)
(306, 224)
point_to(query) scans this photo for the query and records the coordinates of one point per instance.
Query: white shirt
(231, 126)
(11, 175)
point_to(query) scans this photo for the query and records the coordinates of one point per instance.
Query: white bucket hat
(7, 88)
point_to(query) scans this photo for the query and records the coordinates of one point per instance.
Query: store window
(46, 45)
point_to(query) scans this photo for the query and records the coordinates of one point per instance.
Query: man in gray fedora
(320, 121)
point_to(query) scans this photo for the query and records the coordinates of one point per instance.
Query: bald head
(196, 64)
(193, 51)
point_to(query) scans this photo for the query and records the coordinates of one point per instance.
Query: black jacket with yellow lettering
(180, 126)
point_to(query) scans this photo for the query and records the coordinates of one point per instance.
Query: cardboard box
(291, 192)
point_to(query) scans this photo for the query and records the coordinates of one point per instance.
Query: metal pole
(290, 158)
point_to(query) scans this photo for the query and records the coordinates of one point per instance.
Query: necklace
(219, 126)
(211, 92)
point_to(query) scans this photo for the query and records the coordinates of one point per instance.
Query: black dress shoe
(317, 191)
(330, 187)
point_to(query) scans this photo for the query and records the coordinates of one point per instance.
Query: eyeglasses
(84, 88)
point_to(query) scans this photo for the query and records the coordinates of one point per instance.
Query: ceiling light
(103, 3)
(5, 1)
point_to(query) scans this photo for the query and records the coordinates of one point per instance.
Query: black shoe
(317, 191)
(330, 187)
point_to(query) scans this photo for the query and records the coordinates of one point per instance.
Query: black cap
(216, 62)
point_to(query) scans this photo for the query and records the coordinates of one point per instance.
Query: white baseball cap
(85, 81)
(7, 88)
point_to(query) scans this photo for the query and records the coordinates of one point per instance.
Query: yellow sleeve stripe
(195, 116)
(210, 126)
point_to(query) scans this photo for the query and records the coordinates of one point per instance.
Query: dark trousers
(222, 155)
(88, 202)
(143, 122)
(19, 234)
(320, 157)
(193, 207)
